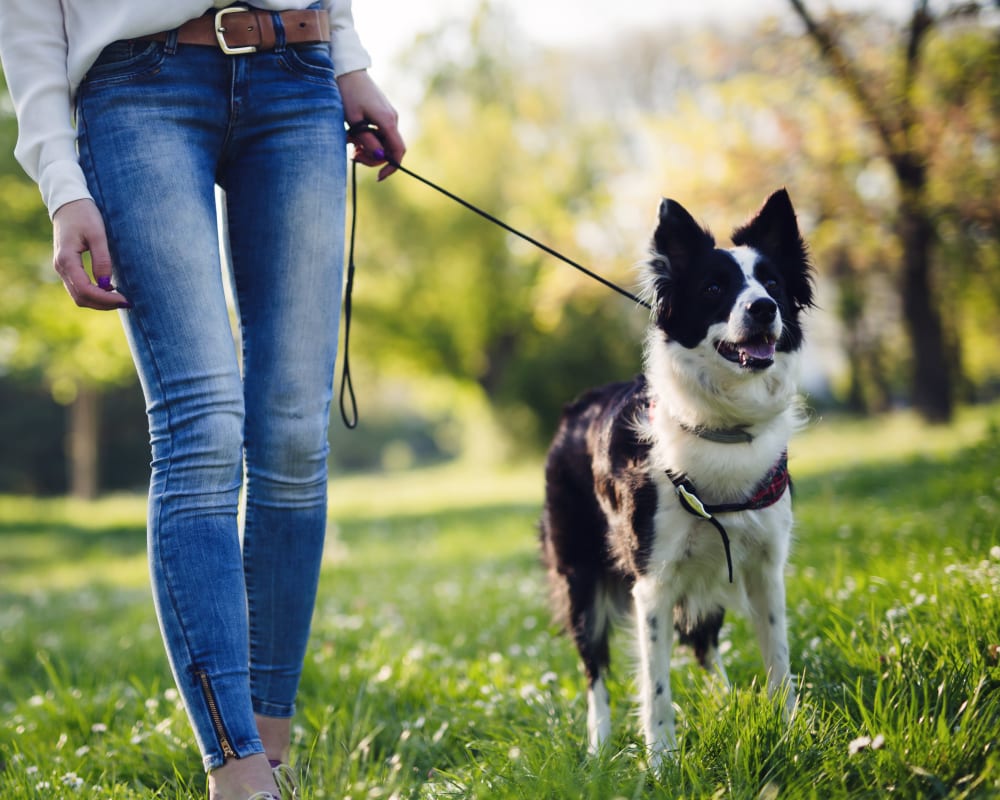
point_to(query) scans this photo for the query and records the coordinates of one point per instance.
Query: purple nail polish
(379, 153)
(104, 282)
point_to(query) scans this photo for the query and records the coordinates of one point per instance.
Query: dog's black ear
(678, 238)
(774, 232)
(677, 241)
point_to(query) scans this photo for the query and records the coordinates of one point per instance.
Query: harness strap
(769, 491)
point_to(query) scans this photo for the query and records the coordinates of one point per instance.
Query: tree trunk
(82, 443)
(897, 123)
(931, 385)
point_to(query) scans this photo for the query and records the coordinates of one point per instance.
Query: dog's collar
(737, 435)
(767, 493)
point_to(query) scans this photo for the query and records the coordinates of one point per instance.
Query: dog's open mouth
(755, 353)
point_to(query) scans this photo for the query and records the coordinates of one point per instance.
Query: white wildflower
(72, 780)
(866, 743)
(439, 734)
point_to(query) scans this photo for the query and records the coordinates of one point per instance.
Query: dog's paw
(661, 757)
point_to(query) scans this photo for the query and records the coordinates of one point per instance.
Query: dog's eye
(712, 290)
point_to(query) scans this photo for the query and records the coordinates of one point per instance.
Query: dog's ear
(774, 232)
(678, 239)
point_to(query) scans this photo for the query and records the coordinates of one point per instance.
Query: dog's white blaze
(747, 258)
(736, 328)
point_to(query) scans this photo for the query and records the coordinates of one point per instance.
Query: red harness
(768, 492)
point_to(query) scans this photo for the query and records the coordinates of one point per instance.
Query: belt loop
(171, 46)
(279, 32)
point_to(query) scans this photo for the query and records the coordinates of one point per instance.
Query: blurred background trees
(468, 341)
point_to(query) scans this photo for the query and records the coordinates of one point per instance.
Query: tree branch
(920, 23)
(845, 70)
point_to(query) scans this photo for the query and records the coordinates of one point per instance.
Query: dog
(668, 495)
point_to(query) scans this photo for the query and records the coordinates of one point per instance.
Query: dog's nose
(763, 310)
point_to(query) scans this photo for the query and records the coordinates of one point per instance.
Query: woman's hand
(77, 229)
(364, 101)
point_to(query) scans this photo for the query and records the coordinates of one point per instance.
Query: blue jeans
(159, 125)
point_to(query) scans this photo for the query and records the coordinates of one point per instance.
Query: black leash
(499, 222)
(346, 382)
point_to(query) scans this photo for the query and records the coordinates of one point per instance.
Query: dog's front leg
(655, 632)
(766, 594)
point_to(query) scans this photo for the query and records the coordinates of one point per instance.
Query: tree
(892, 107)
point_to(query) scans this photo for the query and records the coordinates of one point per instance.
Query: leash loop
(346, 382)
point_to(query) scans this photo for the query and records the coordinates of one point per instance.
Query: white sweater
(47, 46)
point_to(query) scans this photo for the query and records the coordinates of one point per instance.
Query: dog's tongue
(760, 351)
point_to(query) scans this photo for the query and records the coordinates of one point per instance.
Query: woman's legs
(154, 136)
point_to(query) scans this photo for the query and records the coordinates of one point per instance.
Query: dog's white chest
(689, 556)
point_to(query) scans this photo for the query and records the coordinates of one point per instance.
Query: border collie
(669, 496)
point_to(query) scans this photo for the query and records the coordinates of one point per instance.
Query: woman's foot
(239, 779)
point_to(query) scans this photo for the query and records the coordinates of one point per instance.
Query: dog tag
(692, 503)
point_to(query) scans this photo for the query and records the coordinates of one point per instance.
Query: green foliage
(434, 673)
(41, 331)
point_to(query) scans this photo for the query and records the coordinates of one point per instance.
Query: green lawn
(435, 672)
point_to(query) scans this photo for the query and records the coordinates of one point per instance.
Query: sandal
(286, 779)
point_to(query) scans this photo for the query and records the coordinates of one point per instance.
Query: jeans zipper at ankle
(213, 712)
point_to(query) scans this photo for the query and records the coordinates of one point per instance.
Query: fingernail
(104, 282)
(126, 305)
(379, 153)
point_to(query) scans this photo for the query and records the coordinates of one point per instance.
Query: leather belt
(238, 29)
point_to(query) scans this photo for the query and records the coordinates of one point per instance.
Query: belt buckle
(220, 32)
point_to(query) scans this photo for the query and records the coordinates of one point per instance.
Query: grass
(434, 671)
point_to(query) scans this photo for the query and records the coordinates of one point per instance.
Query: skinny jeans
(232, 403)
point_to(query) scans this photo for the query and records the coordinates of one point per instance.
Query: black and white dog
(669, 495)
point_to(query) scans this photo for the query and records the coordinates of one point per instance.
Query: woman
(170, 100)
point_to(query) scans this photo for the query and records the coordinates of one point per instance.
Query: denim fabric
(158, 127)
